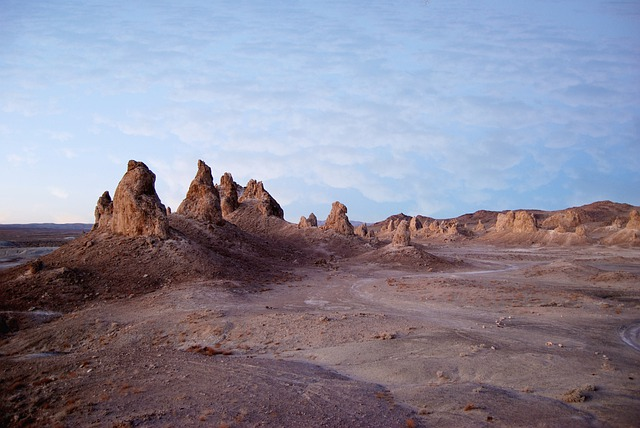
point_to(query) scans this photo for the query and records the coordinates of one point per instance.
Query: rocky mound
(629, 235)
(414, 256)
(516, 222)
(563, 220)
(338, 220)
(266, 204)
(203, 200)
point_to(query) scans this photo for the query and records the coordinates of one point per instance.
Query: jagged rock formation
(402, 235)
(634, 220)
(518, 222)
(564, 220)
(104, 211)
(311, 221)
(364, 231)
(415, 224)
(480, 227)
(391, 223)
(267, 205)
(202, 202)
(228, 190)
(137, 210)
(338, 220)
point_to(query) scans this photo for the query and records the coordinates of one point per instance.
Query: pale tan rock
(104, 211)
(402, 235)
(137, 209)
(568, 219)
(202, 202)
(480, 227)
(267, 205)
(228, 190)
(634, 220)
(362, 230)
(518, 222)
(338, 220)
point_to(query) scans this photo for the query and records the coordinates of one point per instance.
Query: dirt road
(513, 337)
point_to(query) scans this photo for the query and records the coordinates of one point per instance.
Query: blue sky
(426, 107)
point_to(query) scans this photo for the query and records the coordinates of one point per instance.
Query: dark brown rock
(228, 194)
(104, 211)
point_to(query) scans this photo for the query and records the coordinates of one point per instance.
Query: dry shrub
(208, 351)
(578, 395)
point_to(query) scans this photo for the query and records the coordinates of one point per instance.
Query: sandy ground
(512, 337)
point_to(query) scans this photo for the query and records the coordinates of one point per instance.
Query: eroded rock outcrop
(402, 235)
(311, 221)
(202, 202)
(518, 222)
(137, 209)
(415, 224)
(634, 220)
(564, 220)
(267, 205)
(104, 211)
(338, 220)
(363, 231)
(228, 190)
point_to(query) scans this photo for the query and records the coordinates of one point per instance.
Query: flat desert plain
(501, 336)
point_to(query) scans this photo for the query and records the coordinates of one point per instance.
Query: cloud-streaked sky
(427, 107)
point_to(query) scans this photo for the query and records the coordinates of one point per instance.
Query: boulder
(103, 212)
(228, 190)
(338, 220)
(137, 210)
(267, 205)
(311, 221)
(202, 202)
(518, 222)
(402, 235)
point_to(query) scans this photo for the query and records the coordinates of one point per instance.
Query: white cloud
(58, 192)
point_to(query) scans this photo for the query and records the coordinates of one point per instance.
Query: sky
(428, 107)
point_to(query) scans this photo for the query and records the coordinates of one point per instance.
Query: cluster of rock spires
(136, 209)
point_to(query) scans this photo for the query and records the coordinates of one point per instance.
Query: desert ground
(536, 336)
(223, 314)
